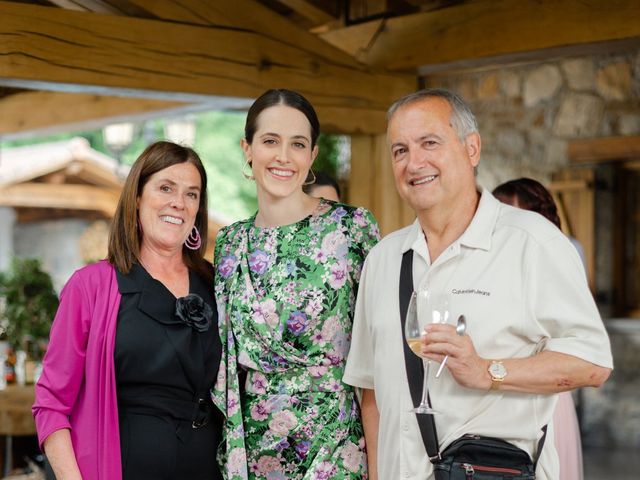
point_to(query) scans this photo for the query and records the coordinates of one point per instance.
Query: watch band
(496, 383)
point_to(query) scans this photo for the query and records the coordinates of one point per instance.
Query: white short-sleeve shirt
(522, 288)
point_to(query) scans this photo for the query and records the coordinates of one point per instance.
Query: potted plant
(28, 304)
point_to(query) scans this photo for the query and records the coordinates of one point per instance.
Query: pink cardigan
(77, 389)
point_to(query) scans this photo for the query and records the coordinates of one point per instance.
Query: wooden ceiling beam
(604, 149)
(69, 5)
(249, 15)
(345, 120)
(93, 174)
(308, 10)
(30, 113)
(97, 6)
(111, 7)
(472, 33)
(49, 48)
(73, 197)
(39, 112)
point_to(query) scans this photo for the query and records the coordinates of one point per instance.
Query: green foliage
(218, 144)
(29, 302)
(327, 159)
(144, 135)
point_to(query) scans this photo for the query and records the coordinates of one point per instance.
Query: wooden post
(572, 189)
(372, 185)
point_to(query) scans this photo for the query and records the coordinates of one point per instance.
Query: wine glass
(424, 307)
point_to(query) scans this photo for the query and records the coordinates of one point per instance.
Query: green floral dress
(286, 297)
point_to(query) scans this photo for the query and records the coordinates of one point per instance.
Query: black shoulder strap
(415, 369)
(536, 457)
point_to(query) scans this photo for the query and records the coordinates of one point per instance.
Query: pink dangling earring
(193, 241)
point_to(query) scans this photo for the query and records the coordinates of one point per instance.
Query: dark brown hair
(285, 97)
(531, 195)
(125, 236)
(322, 179)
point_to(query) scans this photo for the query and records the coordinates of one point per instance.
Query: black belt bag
(483, 458)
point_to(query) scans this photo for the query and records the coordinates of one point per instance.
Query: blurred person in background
(530, 194)
(325, 187)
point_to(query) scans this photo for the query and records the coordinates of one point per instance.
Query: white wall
(7, 222)
(55, 243)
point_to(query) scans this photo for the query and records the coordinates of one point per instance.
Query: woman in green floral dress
(286, 282)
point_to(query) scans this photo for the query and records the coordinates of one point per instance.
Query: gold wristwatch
(498, 371)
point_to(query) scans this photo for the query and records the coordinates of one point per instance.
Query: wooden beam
(249, 15)
(262, 19)
(33, 112)
(487, 30)
(69, 5)
(97, 6)
(102, 53)
(568, 185)
(72, 197)
(309, 11)
(573, 190)
(355, 40)
(362, 174)
(93, 174)
(340, 120)
(604, 149)
(632, 165)
(30, 113)
(372, 185)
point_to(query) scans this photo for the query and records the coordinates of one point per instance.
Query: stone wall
(7, 220)
(528, 113)
(611, 414)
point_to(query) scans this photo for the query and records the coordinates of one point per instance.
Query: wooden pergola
(66, 64)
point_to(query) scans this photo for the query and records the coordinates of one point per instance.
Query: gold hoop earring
(244, 173)
(310, 182)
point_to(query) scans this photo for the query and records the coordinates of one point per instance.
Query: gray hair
(462, 118)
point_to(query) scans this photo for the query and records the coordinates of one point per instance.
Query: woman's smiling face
(168, 205)
(280, 152)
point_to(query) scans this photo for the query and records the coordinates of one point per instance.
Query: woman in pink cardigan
(134, 348)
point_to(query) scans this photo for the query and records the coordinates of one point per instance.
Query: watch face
(497, 370)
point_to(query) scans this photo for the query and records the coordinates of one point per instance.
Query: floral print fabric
(286, 297)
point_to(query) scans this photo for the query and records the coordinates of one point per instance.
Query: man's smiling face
(431, 165)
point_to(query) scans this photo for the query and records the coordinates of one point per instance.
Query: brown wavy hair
(125, 237)
(530, 195)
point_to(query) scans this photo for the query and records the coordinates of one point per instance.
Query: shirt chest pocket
(496, 320)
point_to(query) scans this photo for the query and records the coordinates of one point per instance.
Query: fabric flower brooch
(194, 311)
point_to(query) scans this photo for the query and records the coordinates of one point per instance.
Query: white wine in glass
(412, 332)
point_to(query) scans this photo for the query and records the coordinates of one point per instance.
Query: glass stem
(425, 383)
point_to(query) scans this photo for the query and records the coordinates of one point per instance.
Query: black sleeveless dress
(169, 428)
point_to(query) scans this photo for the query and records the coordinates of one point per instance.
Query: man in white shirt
(532, 326)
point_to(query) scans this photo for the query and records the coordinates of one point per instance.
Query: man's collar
(477, 234)
(414, 237)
